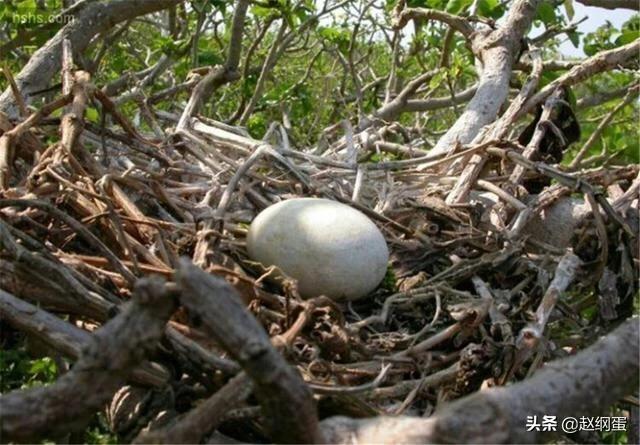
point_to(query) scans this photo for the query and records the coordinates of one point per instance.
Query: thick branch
(390, 110)
(460, 24)
(603, 61)
(436, 103)
(61, 336)
(89, 20)
(105, 364)
(497, 51)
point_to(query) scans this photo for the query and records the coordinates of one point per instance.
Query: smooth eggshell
(329, 248)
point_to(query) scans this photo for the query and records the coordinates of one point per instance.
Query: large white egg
(329, 248)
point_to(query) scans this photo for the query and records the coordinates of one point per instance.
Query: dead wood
(64, 337)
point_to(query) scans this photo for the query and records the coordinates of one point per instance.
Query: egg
(329, 248)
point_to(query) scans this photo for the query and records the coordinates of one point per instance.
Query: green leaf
(490, 8)
(457, 6)
(546, 13)
(27, 7)
(433, 4)
(575, 38)
(260, 11)
(437, 79)
(627, 36)
(92, 114)
(568, 8)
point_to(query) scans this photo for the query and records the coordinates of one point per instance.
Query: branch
(63, 337)
(497, 51)
(596, 98)
(106, 363)
(267, 67)
(437, 103)
(603, 61)
(205, 417)
(89, 19)
(390, 110)
(585, 384)
(81, 230)
(288, 403)
(54, 283)
(470, 174)
(531, 335)
(220, 75)
(604, 123)
(460, 24)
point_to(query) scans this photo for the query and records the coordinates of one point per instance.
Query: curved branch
(436, 103)
(219, 75)
(460, 24)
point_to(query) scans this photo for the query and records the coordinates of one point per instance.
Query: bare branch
(460, 24)
(604, 60)
(219, 75)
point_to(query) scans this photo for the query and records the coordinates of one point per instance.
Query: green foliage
(98, 432)
(568, 8)
(491, 9)
(458, 6)
(257, 124)
(433, 4)
(340, 36)
(608, 37)
(615, 437)
(546, 13)
(390, 281)
(18, 370)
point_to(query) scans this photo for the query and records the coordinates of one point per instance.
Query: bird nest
(471, 297)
